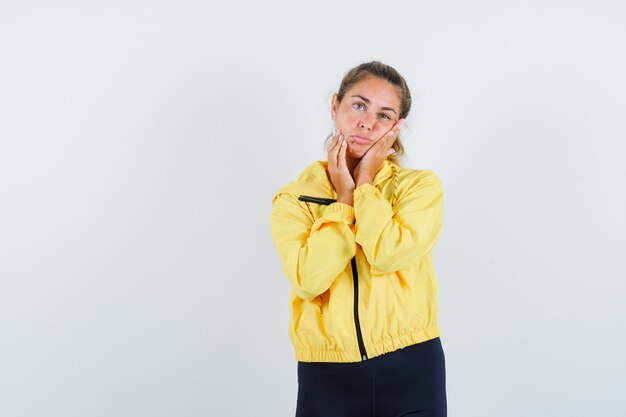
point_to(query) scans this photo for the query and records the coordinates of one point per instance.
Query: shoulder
(408, 177)
(312, 180)
(314, 171)
(418, 182)
(399, 183)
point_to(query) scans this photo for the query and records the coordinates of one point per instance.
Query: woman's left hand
(373, 159)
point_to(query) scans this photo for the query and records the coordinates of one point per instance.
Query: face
(367, 112)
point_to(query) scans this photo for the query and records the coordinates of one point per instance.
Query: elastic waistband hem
(373, 349)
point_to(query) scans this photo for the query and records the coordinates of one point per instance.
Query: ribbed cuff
(362, 190)
(345, 210)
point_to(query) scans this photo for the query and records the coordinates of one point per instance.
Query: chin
(357, 155)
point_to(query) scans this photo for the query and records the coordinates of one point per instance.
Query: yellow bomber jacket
(362, 277)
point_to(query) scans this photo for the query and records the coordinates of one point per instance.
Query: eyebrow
(368, 102)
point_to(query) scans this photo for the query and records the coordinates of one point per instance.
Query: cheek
(382, 128)
(347, 119)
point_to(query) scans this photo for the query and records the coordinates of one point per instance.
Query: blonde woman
(355, 236)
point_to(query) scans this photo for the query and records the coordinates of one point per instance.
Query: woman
(355, 236)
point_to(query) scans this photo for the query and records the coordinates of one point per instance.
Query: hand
(339, 174)
(373, 159)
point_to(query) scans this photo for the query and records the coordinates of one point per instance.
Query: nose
(366, 122)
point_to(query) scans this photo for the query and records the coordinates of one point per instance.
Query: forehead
(380, 92)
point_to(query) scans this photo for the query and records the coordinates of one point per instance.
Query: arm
(393, 241)
(313, 254)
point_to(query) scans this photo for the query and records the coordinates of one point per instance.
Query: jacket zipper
(355, 277)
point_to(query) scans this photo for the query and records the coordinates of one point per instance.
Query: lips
(360, 140)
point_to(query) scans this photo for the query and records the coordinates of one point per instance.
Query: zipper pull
(318, 200)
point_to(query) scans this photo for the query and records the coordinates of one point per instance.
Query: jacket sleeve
(313, 253)
(392, 241)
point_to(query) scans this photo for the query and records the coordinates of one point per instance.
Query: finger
(333, 154)
(390, 135)
(341, 160)
(391, 138)
(393, 134)
(338, 139)
(338, 154)
(390, 142)
(332, 149)
(333, 141)
(396, 128)
(386, 141)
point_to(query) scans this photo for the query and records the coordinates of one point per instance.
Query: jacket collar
(315, 181)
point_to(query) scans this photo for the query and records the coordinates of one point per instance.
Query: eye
(358, 106)
(385, 116)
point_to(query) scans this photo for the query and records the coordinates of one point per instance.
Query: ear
(333, 106)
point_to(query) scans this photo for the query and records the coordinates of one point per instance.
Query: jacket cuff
(346, 211)
(362, 190)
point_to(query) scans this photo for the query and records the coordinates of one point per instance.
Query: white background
(141, 144)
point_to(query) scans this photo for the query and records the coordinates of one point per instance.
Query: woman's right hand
(338, 169)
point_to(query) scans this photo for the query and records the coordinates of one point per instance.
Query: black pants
(406, 382)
